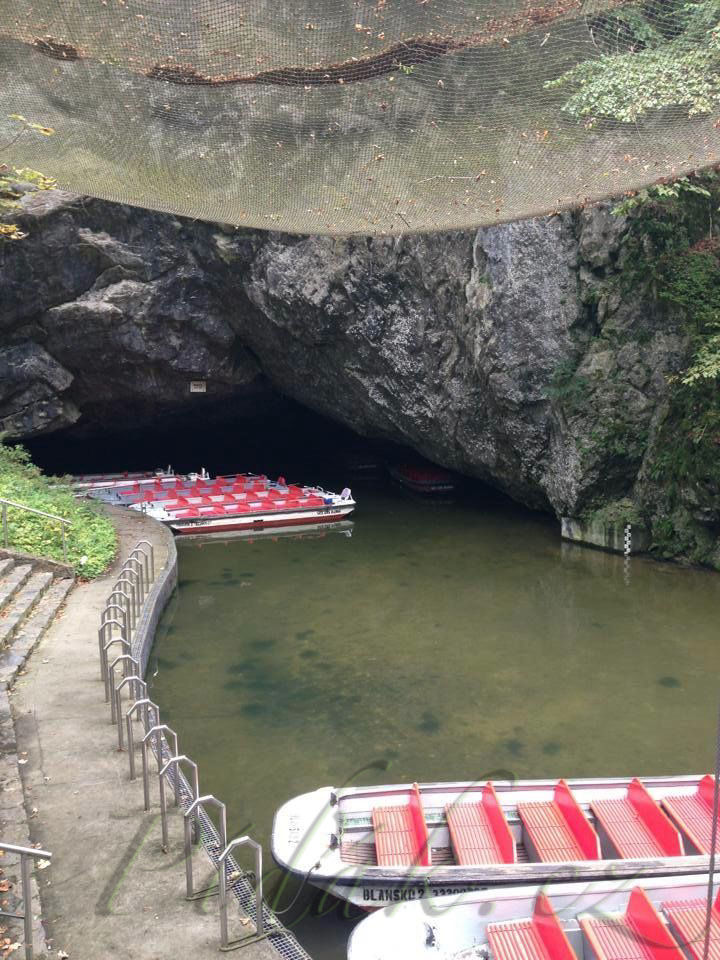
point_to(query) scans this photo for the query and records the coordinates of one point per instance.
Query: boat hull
(231, 524)
(455, 928)
(328, 835)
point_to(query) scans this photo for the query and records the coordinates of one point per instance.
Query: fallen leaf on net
(4, 886)
(43, 864)
(62, 955)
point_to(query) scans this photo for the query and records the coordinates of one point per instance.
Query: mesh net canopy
(358, 116)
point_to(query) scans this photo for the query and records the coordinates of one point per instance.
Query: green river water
(439, 641)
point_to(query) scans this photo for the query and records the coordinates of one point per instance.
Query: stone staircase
(31, 593)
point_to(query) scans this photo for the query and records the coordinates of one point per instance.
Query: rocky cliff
(512, 353)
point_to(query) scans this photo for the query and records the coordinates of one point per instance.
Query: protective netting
(358, 116)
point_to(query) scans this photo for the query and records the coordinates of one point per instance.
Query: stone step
(12, 582)
(22, 604)
(32, 631)
(6, 566)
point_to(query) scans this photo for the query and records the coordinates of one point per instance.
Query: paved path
(110, 892)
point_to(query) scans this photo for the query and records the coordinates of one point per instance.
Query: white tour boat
(379, 845)
(223, 505)
(657, 918)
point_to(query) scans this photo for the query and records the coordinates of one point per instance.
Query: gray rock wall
(508, 353)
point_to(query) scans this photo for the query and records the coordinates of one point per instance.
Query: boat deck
(687, 921)
(626, 823)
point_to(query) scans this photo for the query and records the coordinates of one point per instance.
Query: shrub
(91, 541)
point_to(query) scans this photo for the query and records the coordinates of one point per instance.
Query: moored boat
(90, 482)
(222, 508)
(426, 479)
(658, 918)
(377, 845)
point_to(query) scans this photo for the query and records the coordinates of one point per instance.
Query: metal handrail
(143, 702)
(261, 933)
(132, 596)
(40, 513)
(148, 559)
(125, 659)
(112, 600)
(26, 915)
(125, 647)
(106, 625)
(140, 687)
(139, 572)
(197, 825)
(175, 762)
(207, 801)
(157, 730)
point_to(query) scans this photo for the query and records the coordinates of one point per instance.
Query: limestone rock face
(106, 315)
(508, 353)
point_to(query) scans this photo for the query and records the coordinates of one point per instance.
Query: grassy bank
(91, 539)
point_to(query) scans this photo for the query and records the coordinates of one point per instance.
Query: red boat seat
(540, 938)
(401, 837)
(693, 815)
(557, 829)
(638, 935)
(636, 827)
(479, 831)
(687, 922)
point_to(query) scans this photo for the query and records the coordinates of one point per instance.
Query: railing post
(64, 543)
(132, 596)
(175, 763)
(27, 906)
(157, 731)
(4, 525)
(139, 548)
(25, 854)
(116, 608)
(105, 626)
(140, 686)
(125, 647)
(138, 572)
(147, 703)
(260, 932)
(124, 658)
(207, 801)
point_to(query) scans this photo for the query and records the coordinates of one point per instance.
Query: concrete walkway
(110, 892)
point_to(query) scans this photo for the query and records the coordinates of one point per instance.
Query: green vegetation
(652, 57)
(673, 252)
(616, 513)
(567, 387)
(90, 539)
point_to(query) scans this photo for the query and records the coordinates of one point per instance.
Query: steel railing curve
(139, 686)
(25, 854)
(201, 802)
(127, 600)
(135, 707)
(261, 932)
(132, 596)
(125, 659)
(125, 647)
(131, 577)
(157, 731)
(174, 763)
(122, 610)
(102, 633)
(148, 556)
(139, 572)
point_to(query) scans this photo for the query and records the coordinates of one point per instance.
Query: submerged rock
(508, 353)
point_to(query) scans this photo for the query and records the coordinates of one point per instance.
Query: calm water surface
(439, 641)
